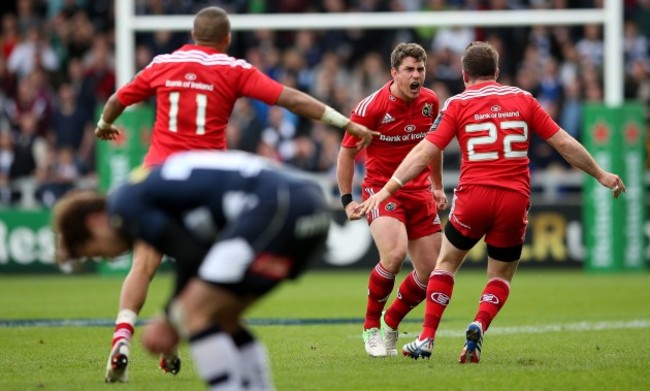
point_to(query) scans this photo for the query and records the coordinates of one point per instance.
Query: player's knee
(392, 260)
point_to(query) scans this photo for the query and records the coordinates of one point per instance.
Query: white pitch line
(550, 328)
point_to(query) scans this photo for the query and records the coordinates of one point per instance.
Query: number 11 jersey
(196, 89)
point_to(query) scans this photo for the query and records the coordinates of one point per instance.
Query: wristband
(346, 199)
(334, 118)
(397, 180)
(103, 125)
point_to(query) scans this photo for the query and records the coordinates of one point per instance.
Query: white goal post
(611, 17)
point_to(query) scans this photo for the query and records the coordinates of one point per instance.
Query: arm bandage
(334, 118)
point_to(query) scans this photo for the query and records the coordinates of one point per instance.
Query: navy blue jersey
(230, 208)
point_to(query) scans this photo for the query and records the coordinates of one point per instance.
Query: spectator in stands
(29, 101)
(34, 51)
(638, 84)
(81, 85)
(29, 13)
(163, 41)
(370, 74)
(591, 46)
(6, 160)
(635, 45)
(306, 155)
(72, 125)
(7, 88)
(99, 65)
(328, 74)
(247, 125)
(550, 90)
(63, 172)
(641, 14)
(279, 135)
(10, 34)
(143, 56)
(29, 164)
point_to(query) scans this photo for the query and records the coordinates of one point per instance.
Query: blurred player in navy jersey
(196, 88)
(493, 124)
(236, 224)
(402, 111)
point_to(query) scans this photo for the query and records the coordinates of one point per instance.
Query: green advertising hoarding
(26, 241)
(614, 228)
(116, 159)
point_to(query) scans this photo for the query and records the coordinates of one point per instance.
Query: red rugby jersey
(493, 124)
(402, 125)
(196, 88)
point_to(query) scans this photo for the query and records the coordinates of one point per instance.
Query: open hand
(373, 202)
(160, 337)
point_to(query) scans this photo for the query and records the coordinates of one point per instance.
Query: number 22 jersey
(493, 124)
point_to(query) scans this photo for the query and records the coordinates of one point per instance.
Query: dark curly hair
(69, 221)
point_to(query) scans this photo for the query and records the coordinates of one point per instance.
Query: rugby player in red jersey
(196, 88)
(402, 111)
(493, 124)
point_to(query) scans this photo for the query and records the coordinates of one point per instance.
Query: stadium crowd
(57, 65)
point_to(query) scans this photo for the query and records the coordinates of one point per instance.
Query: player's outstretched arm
(307, 106)
(418, 158)
(576, 154)
(105, 129)
(438, 190)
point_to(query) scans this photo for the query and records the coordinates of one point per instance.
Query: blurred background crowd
(57, 65)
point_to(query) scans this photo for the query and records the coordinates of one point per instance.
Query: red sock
(439, 289)
(411, 293)
(494, 296)
(122, 331)
(380, 285)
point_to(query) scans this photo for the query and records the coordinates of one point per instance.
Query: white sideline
(548, 328)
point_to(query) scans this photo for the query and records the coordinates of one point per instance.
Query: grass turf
(559, 330)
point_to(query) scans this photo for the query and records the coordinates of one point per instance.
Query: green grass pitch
(560, 330)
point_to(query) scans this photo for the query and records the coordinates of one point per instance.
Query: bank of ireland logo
(427, 109)
(190, 76)
(440, 298)
(391, 206)
(410, 128)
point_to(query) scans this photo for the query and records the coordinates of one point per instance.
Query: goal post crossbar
(380, 20)
(611, 17)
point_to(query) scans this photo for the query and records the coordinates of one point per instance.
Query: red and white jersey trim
(200, 57)
(485, 92)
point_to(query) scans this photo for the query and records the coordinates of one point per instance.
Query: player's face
(104, 242)
(101, 247)
(409, 78)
